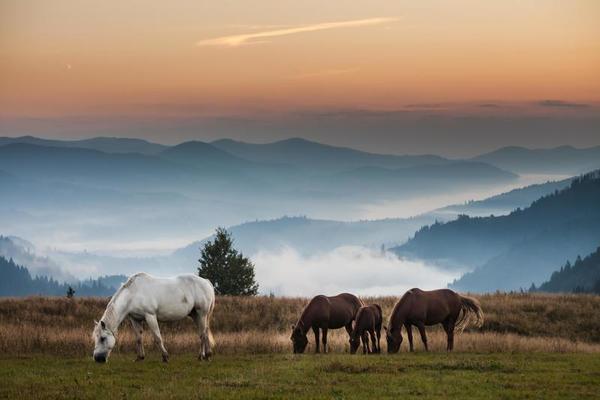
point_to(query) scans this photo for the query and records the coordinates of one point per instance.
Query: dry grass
(514, 323)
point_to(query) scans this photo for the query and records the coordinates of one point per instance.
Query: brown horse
(418, 307)
(368, 323)
(324, 313)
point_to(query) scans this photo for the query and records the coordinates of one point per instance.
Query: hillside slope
(512, 251)
(581, 276)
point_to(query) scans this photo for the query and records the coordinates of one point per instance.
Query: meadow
(531, 345)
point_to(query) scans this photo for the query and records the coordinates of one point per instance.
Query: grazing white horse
(146, 298)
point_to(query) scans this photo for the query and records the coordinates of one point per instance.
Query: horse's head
(104, 341)
(354, 343)
(394, 340)
(299, 339)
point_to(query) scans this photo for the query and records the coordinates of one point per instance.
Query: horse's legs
(153, 325)
(349, 328)
(421, 327)
(410, 336)
(365, 342)
(201, 323)
(378, 333)
(449, 328)
(375, 349)
(317, 344)
(324, 340)
(137, 328)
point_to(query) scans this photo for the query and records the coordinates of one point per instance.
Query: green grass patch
(280, 376)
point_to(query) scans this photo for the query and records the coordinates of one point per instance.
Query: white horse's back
(169, 299)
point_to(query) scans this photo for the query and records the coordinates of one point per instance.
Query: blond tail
(471, 314)
(211, 339)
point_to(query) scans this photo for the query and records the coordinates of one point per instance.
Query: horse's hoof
(138, 359)
(165, 358)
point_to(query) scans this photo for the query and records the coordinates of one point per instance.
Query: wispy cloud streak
(246, 38)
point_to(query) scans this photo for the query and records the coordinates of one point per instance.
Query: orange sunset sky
(119, 64)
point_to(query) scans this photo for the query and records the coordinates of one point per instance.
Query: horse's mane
(126, 284)
(399, 304)
(109, 314)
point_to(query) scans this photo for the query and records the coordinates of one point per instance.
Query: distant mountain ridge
(303, 153)
(312, 155)
(558, 160)
(105, 144)
(187, 167)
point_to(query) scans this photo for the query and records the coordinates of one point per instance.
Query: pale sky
(456, 77)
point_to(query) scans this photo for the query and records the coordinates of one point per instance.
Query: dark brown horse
(324, 313)
(368, 323)
(418, 307)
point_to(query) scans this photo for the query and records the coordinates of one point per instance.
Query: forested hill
(15, 280)
(512, 251)
(581, 276)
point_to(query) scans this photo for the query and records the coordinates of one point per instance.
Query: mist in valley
(300, 210)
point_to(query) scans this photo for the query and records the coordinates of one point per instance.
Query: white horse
(146, 298)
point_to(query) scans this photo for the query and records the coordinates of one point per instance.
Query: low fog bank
(354, 269)
(405, 208)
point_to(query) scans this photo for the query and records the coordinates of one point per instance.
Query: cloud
(561, 103)
(250, 38)
(352, 269)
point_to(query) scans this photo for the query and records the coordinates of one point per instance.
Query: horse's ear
(103, 324)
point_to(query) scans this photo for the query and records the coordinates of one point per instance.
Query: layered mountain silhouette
(100, 188)
(510, 252)
(310, 155)
(105, 144)
(293, 168)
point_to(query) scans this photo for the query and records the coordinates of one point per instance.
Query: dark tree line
(583, 276)
(15, 280)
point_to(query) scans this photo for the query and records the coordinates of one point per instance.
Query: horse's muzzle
(100, 358)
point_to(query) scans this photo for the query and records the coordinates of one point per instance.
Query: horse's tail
(471, 314)
(211, 339)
